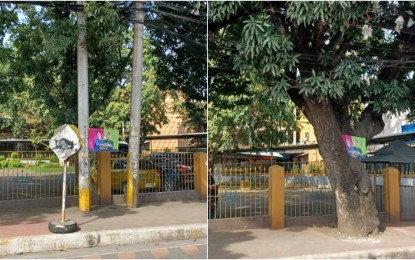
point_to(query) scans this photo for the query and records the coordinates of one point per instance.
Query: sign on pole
(65, 141)
(103, 140)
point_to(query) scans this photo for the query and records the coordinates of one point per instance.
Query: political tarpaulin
(356, 146)
(103, 140)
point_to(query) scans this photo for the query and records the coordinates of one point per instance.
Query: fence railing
(159, 172)
(41, 176)
(243, 191)
(307, 189)
(35, 181)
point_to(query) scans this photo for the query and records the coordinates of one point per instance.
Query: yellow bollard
(392, 193)
(200, 179)
(104, 178)
(276, 196)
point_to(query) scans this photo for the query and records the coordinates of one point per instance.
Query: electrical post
(134, 140)
(83, 113)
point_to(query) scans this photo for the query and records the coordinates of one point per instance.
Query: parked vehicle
(149, 176)
(213, 196)
(169, 175)
(176, 169)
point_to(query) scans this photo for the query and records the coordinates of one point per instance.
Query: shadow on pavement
(219, 250)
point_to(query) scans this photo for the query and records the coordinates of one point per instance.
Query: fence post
(200, 169)
(104, 178)
(276, 196)
(392, 193)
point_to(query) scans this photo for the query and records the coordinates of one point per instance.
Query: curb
(407, 252)
(84, 239)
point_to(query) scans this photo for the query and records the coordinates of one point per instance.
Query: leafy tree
(255, 120)
(116, 114)
(315, 54)
(38, 58)
(181, 60)
(42, 52)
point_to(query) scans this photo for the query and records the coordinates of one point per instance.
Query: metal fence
(307, 190)
(159, 172)
(29, 175)
(407, 185)
(28, 178)
(243, 189)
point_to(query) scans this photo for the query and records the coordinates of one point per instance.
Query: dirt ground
(332, 231)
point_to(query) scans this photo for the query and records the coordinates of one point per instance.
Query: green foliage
(3, 161)
(222, 10)
(51, 165)
(38, 163)
(16, 163)
(14, 155)
(54, 159)
(39, 156)
(337, 14)
(117, 112)
(307, 52)
(3, 164)
(166, 150)
(180, 61)
(38, 87)
(261, 123)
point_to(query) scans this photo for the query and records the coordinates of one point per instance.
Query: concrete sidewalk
(26, 230)
(396, 241)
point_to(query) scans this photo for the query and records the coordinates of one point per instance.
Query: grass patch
(50, 169)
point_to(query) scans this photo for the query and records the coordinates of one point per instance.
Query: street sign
(65, 141)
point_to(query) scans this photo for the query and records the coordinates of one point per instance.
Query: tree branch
(370, 123)
(318, 36)
(216, 26)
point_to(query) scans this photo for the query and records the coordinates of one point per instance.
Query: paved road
(182, 249)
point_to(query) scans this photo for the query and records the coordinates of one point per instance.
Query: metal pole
(64, 190)
(83, 113)
(134, 140)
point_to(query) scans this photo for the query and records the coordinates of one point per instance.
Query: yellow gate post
(392, 193)
(200, 169)
(276, 196)
(104, 178)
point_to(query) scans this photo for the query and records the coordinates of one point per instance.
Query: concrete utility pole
(134, 140)
(83, 114)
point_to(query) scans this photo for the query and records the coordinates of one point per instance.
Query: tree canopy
(38, 60)
(343, 64)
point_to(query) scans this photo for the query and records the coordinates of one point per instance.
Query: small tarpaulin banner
(103, 140)
(356, 146)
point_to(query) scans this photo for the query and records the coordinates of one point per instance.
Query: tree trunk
(355, 205)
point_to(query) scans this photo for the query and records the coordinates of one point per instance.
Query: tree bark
(355, 205)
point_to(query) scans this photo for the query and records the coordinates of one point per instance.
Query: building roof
(406, 136)
(395, 152)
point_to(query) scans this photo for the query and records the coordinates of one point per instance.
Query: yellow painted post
(200, 167)
(276, 196)
(196, 167)
(104, 178)
(392, 193)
